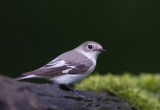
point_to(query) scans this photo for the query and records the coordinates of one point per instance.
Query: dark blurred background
(33, 32)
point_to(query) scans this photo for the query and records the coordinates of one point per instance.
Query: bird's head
(91, 49)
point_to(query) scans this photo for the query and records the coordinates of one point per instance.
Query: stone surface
(19, 95)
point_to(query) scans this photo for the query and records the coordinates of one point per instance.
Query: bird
(69, 67)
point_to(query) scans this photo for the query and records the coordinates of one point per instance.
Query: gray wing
(51, 69)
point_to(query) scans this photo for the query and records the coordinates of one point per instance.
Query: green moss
(142, 91)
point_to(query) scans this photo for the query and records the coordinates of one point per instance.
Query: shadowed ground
(16, 95)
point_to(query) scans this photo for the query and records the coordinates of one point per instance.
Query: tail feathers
(25, 77)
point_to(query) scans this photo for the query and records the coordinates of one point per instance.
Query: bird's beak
(102, 50)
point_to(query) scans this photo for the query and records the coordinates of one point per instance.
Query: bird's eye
(90, 46)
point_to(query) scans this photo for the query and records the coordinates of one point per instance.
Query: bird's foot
(74, 92)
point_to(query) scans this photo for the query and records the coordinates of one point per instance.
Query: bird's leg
(67, 88)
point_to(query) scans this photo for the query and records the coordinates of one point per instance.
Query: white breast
(72, 78)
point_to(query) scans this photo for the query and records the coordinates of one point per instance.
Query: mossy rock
(141, 91)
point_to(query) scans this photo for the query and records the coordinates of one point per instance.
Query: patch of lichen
(141, 91)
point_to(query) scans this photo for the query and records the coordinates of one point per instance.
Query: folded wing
(60, 67)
